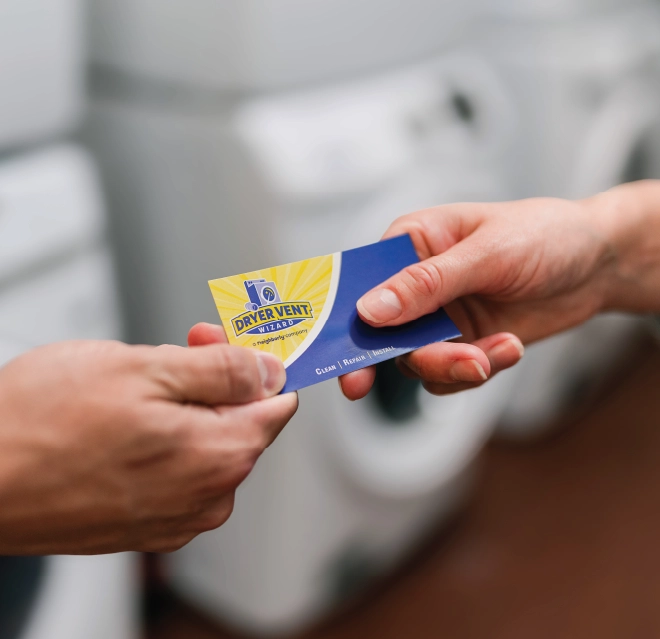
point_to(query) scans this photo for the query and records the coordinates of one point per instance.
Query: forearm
(629, 217)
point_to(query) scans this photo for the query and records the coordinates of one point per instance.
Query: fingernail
(508, 351)
(271, 371)
(468, 370)
(380, 306)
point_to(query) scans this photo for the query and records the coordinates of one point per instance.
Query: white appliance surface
(74, 300)
(247, 45)
(279, 179)
(356, 136)
(344, 484)
(553, 10)
(50, 206)
(201, 192)
(586, 93)
(42, 69)
(57, 277)
(84, 597)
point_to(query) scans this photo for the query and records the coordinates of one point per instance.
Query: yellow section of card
(274, 309)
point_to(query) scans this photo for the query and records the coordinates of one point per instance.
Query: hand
(106, 447)
(512, 273)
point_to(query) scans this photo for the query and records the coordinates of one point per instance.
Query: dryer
(205, 189)
(57, 283)
(584, 78)
(586, 89)
(247, 46)
(377, 475)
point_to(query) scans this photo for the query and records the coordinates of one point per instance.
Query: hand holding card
(305, 313)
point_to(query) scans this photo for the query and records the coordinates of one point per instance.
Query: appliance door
(402, 443)
(344, 163)
(358, 137)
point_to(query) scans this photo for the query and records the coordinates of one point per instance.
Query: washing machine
(213, 170)
(586, 87)
(359, 484)
(41, 75)
(57, 283)
(583, 76)
(262, 45)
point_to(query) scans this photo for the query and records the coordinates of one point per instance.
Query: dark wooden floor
(562, 539)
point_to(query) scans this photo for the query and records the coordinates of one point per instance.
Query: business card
(305, 313)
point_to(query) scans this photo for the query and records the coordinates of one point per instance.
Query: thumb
(217, 374)
(424, 287)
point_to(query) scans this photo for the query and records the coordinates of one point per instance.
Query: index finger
(357, 385)
(451, 266)
(203, 334)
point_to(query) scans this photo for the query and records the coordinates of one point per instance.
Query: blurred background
(147, 147)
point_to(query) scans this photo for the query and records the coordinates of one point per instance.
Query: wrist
(627, 219)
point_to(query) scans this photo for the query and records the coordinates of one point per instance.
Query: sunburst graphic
(306, 281)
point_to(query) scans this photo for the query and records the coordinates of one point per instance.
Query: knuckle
(222, 514)
(424, 367)
(216, 516)
(157, 357)
(184, 426)
(172, 544)
(417, 227)
(166, 349)
(403, 224)
(423, 279)
(254, 444)
(272, 431)
(237, 369)
(173, 427)
(259, 444)
(150, 434)
(232, 468)
(157, 363)
(430, 369)
(239, 471)
(226, 469)
(242, 471)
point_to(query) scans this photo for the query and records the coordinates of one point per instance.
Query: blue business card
(305, 313)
